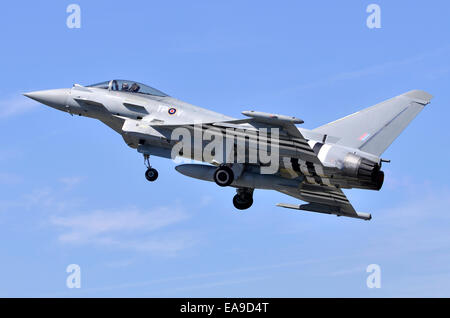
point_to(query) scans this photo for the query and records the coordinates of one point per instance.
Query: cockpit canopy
(129, 86)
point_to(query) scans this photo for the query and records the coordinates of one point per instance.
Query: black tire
(241, 204)
(151, 174)
(223, 176)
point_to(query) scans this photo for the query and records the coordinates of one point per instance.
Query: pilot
(134, 88)
(125, 86)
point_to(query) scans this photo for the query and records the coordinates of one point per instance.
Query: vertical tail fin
(374, 129)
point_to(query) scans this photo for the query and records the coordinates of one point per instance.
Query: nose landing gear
(243, 199)
(151, 174)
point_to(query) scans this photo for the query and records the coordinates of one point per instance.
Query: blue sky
(71, 191)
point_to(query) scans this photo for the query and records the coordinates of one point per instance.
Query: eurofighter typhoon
(260, 151)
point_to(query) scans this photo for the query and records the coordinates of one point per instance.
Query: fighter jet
(311, 165)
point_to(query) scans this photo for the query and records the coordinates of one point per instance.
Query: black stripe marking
(302, 146)
(312, 171)
(325, 198)
(295, 164)
(326, 194)
(253, 133)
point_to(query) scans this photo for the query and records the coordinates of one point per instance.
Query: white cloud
(371, 70)
(131, 229)
(413, 226)
(209, 285)
(347, 271)
(356, 74)
(7, 178)
(120, 263)
(41, 198)
(128, 229)
(247, 273)
(71, 182)
(162, 245)
(10, 154)
(426, 205)
(101, 221)
(16, 105)
(206, 200)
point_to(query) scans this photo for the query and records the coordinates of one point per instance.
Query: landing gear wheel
(151, 174)
(223, 176)
(242, 203)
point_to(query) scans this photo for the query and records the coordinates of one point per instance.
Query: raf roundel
(172, 111)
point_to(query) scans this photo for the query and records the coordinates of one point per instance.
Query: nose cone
(56, 98)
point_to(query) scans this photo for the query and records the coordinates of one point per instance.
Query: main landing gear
(224, 176)
(151, 174)
(243, 198)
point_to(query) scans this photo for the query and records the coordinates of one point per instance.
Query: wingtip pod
(419, 96)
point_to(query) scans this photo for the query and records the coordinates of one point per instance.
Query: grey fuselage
(123, 109)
